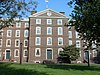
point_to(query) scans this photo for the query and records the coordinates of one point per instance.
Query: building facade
(42, 36)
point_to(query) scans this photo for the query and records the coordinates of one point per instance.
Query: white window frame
(49, 21)
(37, 38)
(26, 31)
(18, 32)
(18, 43)
(78, 45)
(18, 24)
(77, 34)
(1, 42)
(24, 43)
(70, 42)
(7, 43)
(39, 52)
(15, 53)
(46, 52)
(9, 32)
(59, 49)
(69, 34)
(58, 21)
(48, 40)
(38, 21)
(94, 51)
(59, 40)
(24, 53)
(26, 25)
(60, 31)
(48, 30)
(38, 28)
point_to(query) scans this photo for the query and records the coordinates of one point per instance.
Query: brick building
(42, 36)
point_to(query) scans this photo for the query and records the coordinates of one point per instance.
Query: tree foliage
(85, 19)
(11, 9)
(70, 52)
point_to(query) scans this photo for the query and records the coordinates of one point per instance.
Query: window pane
(26, 33)
(60, 31)
(49, 30)
(59, 21)
(49, 21)
(38, 21)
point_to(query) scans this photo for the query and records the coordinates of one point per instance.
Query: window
(37, 41)
(49, 21)
(17, 43)
(49, 30)
(77, 35)
(26, 33)
(9, 33)
(38, 30)
(0, 42)
(59, 50)
(38, 21)
(60, 31)
(8, 43)
(16, 53)
(49, 53)
(25, 53)
(26, 25)
(94, 53)
(25, 43)
(70, 34)
(70, 42)
(17, 33)
(60, 41)
(18, 24)
(59, 21)
(78, 45)
(1, 32)
(49, 41)
(37, 52)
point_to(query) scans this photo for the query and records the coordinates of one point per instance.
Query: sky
(57, 5)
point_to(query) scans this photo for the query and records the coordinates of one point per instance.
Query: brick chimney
(33, 12)
(62, 12)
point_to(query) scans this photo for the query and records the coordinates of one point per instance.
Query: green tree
(70, 52)
(85, 19)
(11, 9)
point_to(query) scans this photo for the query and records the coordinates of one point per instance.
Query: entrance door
(7, 54)
(49, 54)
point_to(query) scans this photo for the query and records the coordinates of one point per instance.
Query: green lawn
(38, 69)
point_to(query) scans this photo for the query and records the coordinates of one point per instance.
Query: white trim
(24, 52)
(60, 29)
(48, 40)
(26, 25)
(59, 49)
(39, 52)
(15, 52)
(7, 43)
(60, 38)
(58, 20)
(47, 10)
(50, 30)
(39, 38)
(5, 52)
(49, 21)
(38, 28)
(18, 43)
(78, 43)
(38, 21)
(69, 34)
(37, 61)
(18, 24)
(9, 32)
(26, 32)
(24, 42)
(46, 53)
(17, 32)
(70, 42)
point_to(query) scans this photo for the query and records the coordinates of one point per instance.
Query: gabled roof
(40, 14)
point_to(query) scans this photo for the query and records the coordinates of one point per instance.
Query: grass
(40, 69)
